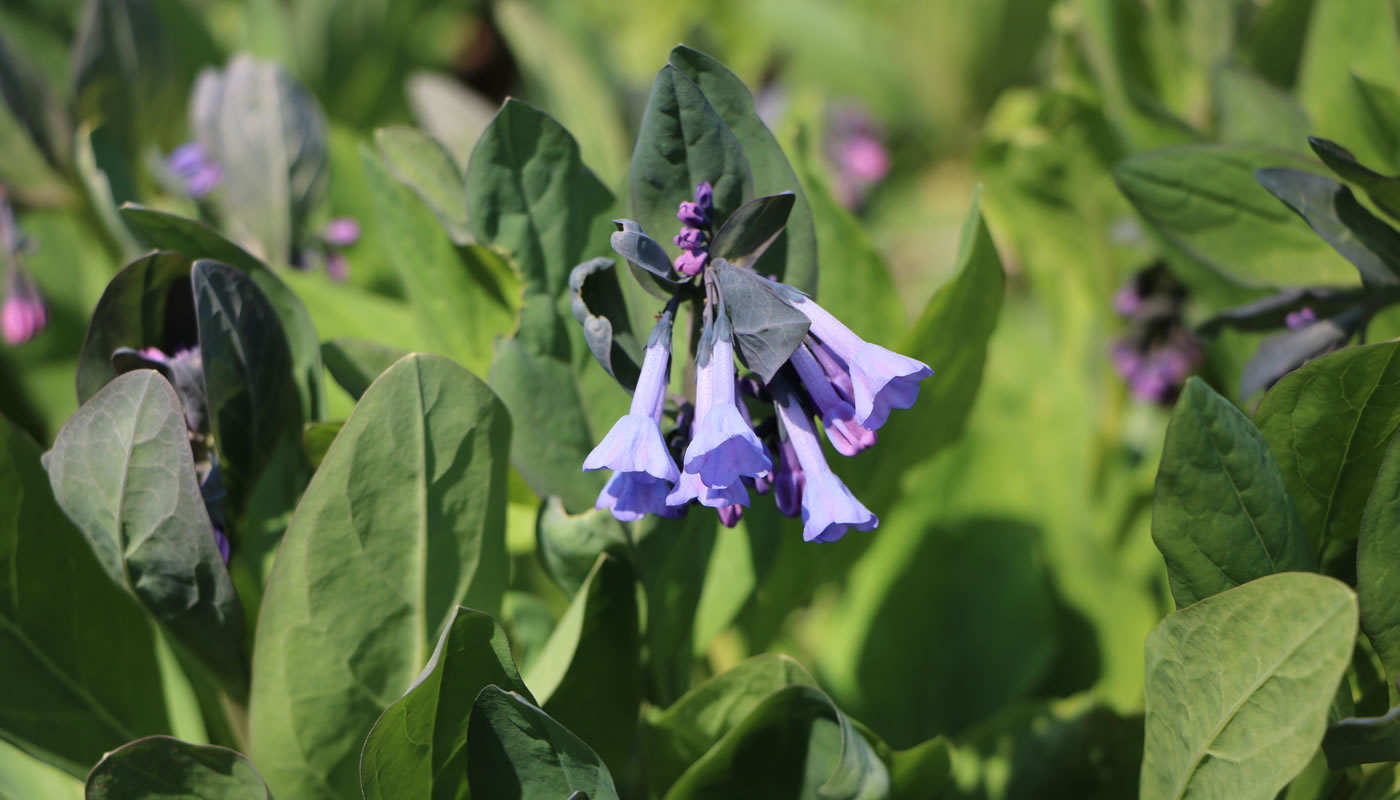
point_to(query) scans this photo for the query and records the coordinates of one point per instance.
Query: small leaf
(569, 544)
(1221, 514)
(750, 230)
(516, 752)
(355, 363)
(1333, 212)
(596, 299)
(1271, 313)
(1238, 686)
(1378, 563)
(1363, 740)
(316, 439)
(766, 328)
(162, 766)
(422, 164)
(418, 747)
(1383, 190)
(640, 250)
(1279, 355)
(121, 469)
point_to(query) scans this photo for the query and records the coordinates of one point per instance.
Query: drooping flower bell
(828, 507)
(23, 313)
(724, 447)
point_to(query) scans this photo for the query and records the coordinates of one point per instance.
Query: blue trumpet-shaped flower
(632, 495)
(828, 507)
(724, 447)
(846, 435)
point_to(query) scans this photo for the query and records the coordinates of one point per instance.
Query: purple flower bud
(846, 435)
(635, 443)
(828, 507)
(1127, 300)
(337, 265)
(1301, 318)
(690, 262)
(865, 159)
(689, 239)
(693, 215)
(788, 480)
(705, 196)
(342, 232)
(724, 447)
(204, 181)
(729, 515)
(186, 159)
(881, 380)
(222, 541)
(632, 495)
(23, 314)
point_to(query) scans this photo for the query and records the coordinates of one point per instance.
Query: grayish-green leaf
(684, 142)
(1378, 563)
(595, 297)
(596, 643)
(1238, 687)
(123, 71)
(1204, 200)
(515, 751)
(421, 163)
(418, 747)
(1382, 189)
(451, 112)
(165, 767)
(1333, 212)
(1271, 312)
(121, 469)
(268, 136)
(766, 328)
(1328, 424)
(1363, 740)
(355, 363)
(752, 228)
(640, 250)
(569, 544)
(195, 240)
(1221, 514)
(404, 520)
(1281, 354)
(57, 608)
(794, 256)
(247, 374)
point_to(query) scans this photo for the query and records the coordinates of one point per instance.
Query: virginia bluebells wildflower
(198, 173)
(1158, 352)
(755, 432)
(23, 313)
(340, 233)
(1302, 318)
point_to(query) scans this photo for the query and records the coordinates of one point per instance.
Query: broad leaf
(422, 164)
(752, 228)
(1204, 200)
(419, 745)
(1252, 110)
(670, 554)
(195, 240)
(162, 766)
(1382, 189)
(794, 256)
(451, 112)
(766, 328)
(247, 373)
(1378, 563)
(123, 72)
(57, 608)
(794, 743)
(1328, 424)
(1238, 686)
(1221, 514)
(121, 469)
(569, 544)
(682, 143)
(1363, 740)
(355, 363)
(1346, 37)
(596, 643)
(1282, 353)
(22, 775)
(404, 520)
(517, 752)
(1330, 208)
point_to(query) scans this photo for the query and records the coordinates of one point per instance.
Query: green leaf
(1221, 514)
(678, 736)
(195, 240)
(422, 164)
(23, 776)
(1346, 37)
(41, 122)
(123, 72)
(121, 469)
(1204, 200)
(1328, 424)
(1378, 562)
(1280, 354)
(267, 134)
(1331, 210)
(683, 142)
(1363, 740)
(670, 557)
(766, 328)
(921, 769)
(596, 643)
(355, 363)
(794, 256)
(450, 112)
(404, 520)
(247, 373)
(1238, 686)
(1383, 190)
(569, 544)
(316, 439)
(642, 251)
(529, 194)
(1253, 111)
(752, 228)
(162, 766)
(596, 298)
(515, 751)
(950, 336)
(419, 745)
(552, 436)
(57, 608)
(794, 743)
(464, 297)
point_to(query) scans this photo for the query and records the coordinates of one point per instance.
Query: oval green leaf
(163, 767)
(752, 228)
(515, 751)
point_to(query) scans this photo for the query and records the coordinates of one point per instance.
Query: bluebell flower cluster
(198, 173)
(736, 435)
(23, 312)
(1158, 352)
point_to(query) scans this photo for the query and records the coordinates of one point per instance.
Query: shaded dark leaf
(596, 299)
(517, 752)
(1384, 190)
(1363, 740)
(1330, 208)
(163, 767)
(1279, 355)
(1270, 313)
(750, 230)
(569, 544)
(766, 329)
(355, 363)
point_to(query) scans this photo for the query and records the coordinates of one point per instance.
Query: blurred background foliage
(1005, 598)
